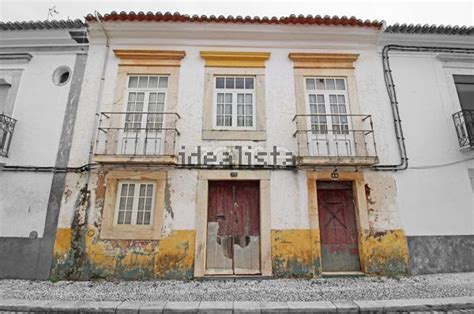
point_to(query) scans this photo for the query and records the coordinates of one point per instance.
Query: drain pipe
(100, 95)
(390, 85)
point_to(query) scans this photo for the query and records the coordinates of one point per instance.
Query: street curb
(129, 307)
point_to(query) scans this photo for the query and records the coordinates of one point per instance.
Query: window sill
(130, 232)
(234, 135)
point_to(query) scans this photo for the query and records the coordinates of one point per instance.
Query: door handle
(220, 216)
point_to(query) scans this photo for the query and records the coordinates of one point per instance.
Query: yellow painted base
(295, 253)
(384, 253)
(85, 256)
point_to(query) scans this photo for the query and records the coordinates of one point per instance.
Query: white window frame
(144, 118)
(136, 197)
(234, 93)
(330, 129)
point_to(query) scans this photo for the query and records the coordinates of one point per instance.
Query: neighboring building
(183, 103)
(41, 70)
(433, 89)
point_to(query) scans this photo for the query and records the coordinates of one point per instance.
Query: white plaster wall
(39, 110)
(437, 200)
(288, 188)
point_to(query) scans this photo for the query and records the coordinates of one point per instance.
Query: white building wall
(438, 199)
(39, 110)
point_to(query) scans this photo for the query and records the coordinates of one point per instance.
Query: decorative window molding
(210, 130)
(20, 58)
(110, 228)
(149, 57)
(231, 59)
(323, 60)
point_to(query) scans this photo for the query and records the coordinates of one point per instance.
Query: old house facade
(41, 69)
(201, 146)
(230, 146)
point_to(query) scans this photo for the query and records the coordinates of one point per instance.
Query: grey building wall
(441, 254)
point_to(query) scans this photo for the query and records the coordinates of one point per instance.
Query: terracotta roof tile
(287, 20)
(430, 29)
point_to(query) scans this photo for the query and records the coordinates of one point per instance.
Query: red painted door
(233, 228)
(337, 224)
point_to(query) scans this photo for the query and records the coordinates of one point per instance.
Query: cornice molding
(16, 57)
(149, 57)
(323, 60)
(235, 59)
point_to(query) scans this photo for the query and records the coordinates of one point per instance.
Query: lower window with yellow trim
(133, 205)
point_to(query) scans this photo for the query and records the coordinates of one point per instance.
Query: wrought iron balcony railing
(464, 124)
(335, 139)
(7, 125)
(136, 136)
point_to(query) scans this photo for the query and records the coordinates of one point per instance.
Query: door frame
(360, 202)
(202, 209)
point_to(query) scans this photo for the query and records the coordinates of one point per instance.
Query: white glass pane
(142, 190)
(147, 218)
(132, 97)
(312, 99)
(139, 218)
(239, 83)
(229, 82)
(240, 98)
(161, 97)
(228, 109)
(141, 203)
(152, 97)
(153, 82)
(133, 82)
(143, 82)
(220, 82)
(140, 96)
(320, 99)
(321, 109)
(249, 83)
(120, 218)
(248, 110)
(240, 109)
(228, 120)
(248, 121)
(228, 98)
(240, 121)
(163, 82)
(220, 98)
(332, 99)
(310, 84)
(320, 84)
(330, 85)
(340, 84)
(248, 98)
(128, 217)
(122, 203)
(220, 120)
(220, 108)
(148, 204)
(149, 189)
(341, 99)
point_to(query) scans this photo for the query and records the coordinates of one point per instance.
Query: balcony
(136, 138)
(335, 140)
(464, 124)
(7, 125)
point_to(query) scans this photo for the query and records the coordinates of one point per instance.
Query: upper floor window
(465, 88)
(234, 102)
(144, 118)
(135, 203)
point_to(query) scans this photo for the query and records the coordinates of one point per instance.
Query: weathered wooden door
(337, 224)
(233, 228)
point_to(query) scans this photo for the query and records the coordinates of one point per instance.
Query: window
(4, 88)
(329, 126)
(465, 88)
(234, 102)
(144, 119)
(135, 203)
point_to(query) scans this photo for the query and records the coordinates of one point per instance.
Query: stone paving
(330, 289)
(359, 295)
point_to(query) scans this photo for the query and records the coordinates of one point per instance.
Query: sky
(456, 12)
